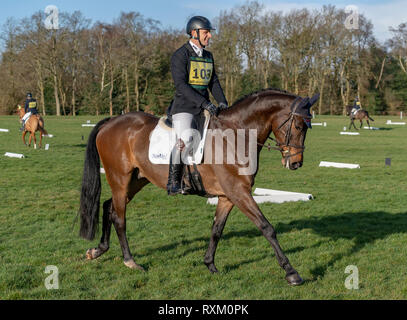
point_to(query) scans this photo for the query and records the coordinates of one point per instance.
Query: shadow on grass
(360, 227)
(81, 145)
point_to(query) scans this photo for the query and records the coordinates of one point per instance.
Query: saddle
(162, 142)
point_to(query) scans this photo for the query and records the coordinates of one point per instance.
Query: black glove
(212, 109)
(223, 106)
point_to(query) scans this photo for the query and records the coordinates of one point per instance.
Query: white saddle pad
(162, 142)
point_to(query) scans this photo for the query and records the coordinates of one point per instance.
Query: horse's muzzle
(291, 165)
(295, 165)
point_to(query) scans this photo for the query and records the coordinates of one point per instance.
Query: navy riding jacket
(193, 76)
(31, 106)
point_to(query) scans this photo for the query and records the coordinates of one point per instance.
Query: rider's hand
(223, 106)
(212, 109)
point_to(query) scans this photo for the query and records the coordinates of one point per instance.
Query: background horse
(122, 143)
(360, 115)
(33, 124)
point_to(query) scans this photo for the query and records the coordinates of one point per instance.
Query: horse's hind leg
(368, 123)
(121, 197)
(40, 145)
(222, 212)
(361, 123)
(35, 141)
(105, 240)
(119, 222)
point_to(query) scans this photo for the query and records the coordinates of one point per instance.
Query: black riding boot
(175, 174)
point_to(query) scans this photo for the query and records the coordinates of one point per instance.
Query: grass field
(358, 217)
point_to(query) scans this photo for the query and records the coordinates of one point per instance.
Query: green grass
(358, 217)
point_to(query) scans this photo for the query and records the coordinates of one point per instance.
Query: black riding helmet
(29, 95)
(197, 23)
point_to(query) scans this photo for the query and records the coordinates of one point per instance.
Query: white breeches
(182, 126)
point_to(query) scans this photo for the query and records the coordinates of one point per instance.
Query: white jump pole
(14, 155)
(396, 123)
(339, 165)
(273, 196)
(350, 133)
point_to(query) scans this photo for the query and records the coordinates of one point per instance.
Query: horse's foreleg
(222, 212)
(29, 139)
(353, 123)
(252, 211)
(105, 240)
(23, 137)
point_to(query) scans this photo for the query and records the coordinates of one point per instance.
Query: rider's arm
(216, 89)
(26, 106)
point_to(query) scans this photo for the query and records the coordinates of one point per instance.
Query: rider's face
(204, 36)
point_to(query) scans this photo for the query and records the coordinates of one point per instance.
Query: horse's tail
(370, 118)
(91, 187)
(41, 126)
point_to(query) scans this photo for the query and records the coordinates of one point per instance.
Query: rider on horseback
(30, 109)
(356, 106)
(193, 72)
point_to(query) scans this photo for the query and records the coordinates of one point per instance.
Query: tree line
(111, 68)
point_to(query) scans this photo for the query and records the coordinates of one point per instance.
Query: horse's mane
(259, 92)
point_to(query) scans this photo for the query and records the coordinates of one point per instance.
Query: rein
(280, 146)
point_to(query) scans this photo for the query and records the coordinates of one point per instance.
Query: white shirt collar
(198, 51)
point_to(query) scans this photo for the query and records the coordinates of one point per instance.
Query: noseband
(280, 146)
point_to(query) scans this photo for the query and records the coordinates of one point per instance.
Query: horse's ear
(313, 100)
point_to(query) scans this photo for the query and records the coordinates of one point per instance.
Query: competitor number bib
(200, 72)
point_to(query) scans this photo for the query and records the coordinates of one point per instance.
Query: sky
(175, 13)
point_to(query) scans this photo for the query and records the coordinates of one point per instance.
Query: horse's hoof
(132, 265)
(212, 268)
(90, 254)
(294, 279)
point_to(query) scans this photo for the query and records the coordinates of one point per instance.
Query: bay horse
(122, 144)
(34, 123)
(360, 115)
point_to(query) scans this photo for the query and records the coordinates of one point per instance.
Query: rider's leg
(182, 124)
(23, 120)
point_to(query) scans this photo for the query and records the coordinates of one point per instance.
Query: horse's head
(348, 110)
(21, 112)
(290, 130)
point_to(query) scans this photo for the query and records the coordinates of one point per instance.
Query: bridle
(287, 143)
